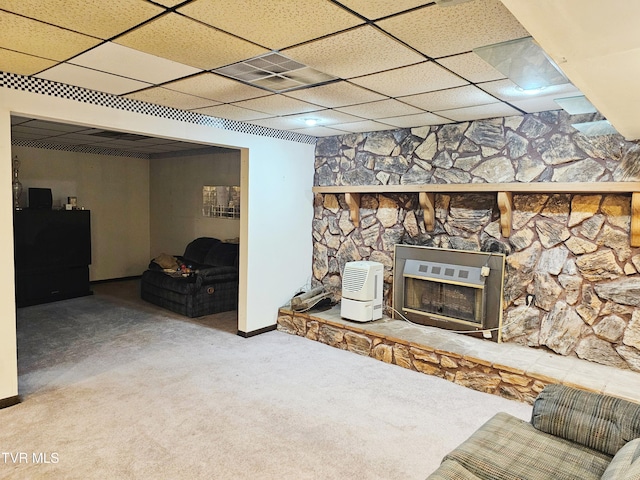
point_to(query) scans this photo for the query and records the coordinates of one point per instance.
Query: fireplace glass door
(444, 300)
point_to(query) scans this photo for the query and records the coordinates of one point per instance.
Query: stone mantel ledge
(509, 370)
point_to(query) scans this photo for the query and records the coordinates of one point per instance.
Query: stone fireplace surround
(571, 251)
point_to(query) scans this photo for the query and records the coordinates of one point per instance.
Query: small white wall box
(362, 291)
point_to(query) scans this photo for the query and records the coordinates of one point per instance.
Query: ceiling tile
(278, 105)
(439, 31)
(127, 62)
(423, 77)
(43, 132)
(274, 24)
(171, 98)
(337, 94)
(536, 104)
(320, 131)
(281, 123)
(62, 127)
(189, 42)
(21, 63)
(480, 112)
(332, 117)
(70, 140)
(363, 126)
(420, 119)
(292, 122)
(91, 79)
(216, 87)
(451, 98)
(37, 38)
(374, 9)
(358, 52)
(155, 141)
(471, 67)
(232, 112)
(82, 138)
(381, 109)
(508, 91)
(16, 120)
(25, 136)
(99, 18)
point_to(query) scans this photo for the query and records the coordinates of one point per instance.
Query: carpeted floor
(113, 387)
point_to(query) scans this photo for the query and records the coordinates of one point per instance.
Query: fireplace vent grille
(444, 273)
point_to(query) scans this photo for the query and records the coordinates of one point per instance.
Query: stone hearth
(570, 251)
(506, 369)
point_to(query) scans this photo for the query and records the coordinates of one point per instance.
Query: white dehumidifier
(362, 291)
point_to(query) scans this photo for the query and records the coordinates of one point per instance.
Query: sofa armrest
(209, 275)
(452, 470)
(597, 421)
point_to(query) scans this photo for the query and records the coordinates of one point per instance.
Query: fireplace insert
(452, 289)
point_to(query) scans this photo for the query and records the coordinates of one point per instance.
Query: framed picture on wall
(221, 201)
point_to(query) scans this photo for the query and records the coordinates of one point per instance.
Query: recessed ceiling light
(530, 91)
(523, 62)
(311, 122)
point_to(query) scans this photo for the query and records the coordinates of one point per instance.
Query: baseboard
(10, 401)
(270, 328)
(119, 279)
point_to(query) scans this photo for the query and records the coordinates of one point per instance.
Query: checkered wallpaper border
(48, 87)
(79, 148)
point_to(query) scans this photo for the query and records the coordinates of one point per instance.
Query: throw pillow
(625, 464)
(166, 261)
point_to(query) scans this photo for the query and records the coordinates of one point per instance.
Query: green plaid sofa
(212, 288)
(572, 435)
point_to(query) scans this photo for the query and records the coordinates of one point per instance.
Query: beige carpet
(113, 387)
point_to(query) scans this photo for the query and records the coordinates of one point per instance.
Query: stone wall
(468, 371)
(571, 251)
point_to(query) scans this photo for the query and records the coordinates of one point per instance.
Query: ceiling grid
(357, 65)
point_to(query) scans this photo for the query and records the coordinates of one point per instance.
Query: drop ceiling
(63, 136)
(381, 64)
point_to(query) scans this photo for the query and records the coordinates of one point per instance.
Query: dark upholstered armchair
(210, 284)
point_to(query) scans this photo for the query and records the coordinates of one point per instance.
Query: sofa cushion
(507, 448)
(597, 421)
(197, 250)
(181, 285)
(218, 274)
(222, 255)
(626, 463)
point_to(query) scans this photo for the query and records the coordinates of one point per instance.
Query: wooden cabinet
(52, 251)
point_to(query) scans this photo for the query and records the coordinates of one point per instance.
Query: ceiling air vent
(275, 72)
(118, 135)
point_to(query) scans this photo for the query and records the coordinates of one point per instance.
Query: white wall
(176, 199)
(115, 189)
(275, 228)
(8, 352)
